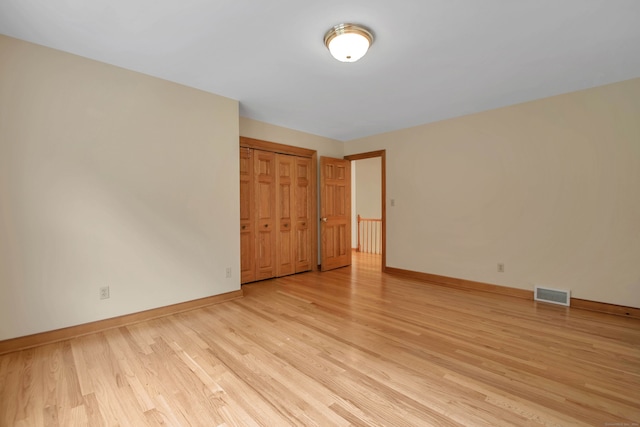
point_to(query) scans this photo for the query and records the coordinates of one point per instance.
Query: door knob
(324, 219)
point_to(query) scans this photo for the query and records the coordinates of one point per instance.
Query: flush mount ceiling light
(348, 42)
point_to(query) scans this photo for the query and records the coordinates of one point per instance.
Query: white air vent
(554, 296)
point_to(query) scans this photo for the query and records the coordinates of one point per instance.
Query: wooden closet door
(285, 239)
(265, 211)
(247, 220)
(302, 209)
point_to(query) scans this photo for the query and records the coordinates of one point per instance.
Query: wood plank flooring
(347, 347)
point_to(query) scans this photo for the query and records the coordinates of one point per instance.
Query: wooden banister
(369, 235)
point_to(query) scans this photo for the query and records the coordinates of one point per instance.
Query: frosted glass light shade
(348, 42)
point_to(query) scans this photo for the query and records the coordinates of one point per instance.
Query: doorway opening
(368, 211)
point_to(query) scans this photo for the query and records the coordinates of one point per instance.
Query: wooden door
(285, 237)
(247, 226)
(265, 210)
(335, 212)
(303, 223)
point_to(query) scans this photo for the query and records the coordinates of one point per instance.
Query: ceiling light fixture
(348, 42)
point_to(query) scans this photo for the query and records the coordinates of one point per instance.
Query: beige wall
(550, 188)
(112, 178)
(366, 190)
(368, 187)
(109, 178)
(267, 132)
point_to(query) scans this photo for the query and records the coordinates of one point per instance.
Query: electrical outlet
(500, 267)
(104, 292)
(228, 272)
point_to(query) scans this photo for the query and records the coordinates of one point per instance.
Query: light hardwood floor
(348, 347)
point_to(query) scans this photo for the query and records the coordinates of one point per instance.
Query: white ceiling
(431, 59)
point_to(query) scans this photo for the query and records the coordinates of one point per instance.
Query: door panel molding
(304, 181)
(265, 209)
(285, 200)
(247, 219)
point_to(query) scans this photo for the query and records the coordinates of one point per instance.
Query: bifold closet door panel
(275, 214)
(286, 236)
(247, 220)
(265, 212)
(302, 209)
